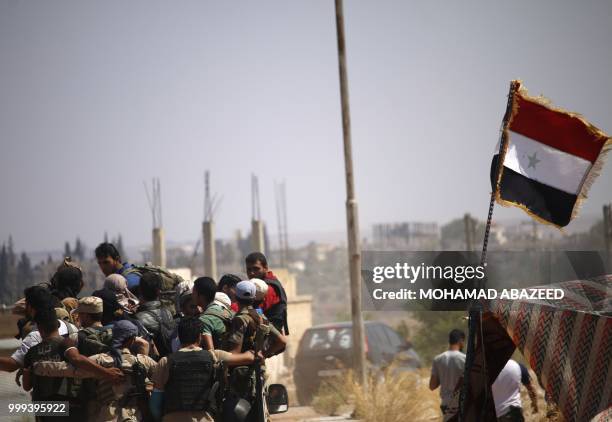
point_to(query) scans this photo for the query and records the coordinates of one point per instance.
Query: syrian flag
(550, 158)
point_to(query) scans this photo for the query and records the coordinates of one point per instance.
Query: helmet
(235, 409)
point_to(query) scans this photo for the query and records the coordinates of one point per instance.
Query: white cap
(261, 289)
(245, 290)
(223, 300)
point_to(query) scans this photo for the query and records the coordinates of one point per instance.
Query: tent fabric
(568, 344)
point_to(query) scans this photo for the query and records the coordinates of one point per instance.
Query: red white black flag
(550, 159)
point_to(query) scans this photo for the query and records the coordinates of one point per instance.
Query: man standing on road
(447, 371)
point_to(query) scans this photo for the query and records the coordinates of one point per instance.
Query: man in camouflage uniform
(251, 331)
(186, 382)
(92, 339)
(216, 319)
(59, 350)
(125, 401)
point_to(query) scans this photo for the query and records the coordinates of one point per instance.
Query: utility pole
(280, 194)
(352, 221)
(257, 228)
(159, 247)
(607, 222)
(208, 231)
(468, 224)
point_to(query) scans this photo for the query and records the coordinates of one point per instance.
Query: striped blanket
(568, 343)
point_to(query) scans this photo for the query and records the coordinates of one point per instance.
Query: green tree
(67, 251)
(432, 338)
(453, 233)
(11, 276)
(79, 249)
(119, 245)
(25, 275)
(3, 273)
(12, 259)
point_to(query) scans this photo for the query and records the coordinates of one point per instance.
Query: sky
(97, 97)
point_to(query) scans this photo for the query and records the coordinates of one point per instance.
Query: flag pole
(476, 308)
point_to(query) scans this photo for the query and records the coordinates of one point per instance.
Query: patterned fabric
(568, 343)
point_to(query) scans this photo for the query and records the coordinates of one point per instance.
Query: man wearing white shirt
(36, 297)
(507, 393)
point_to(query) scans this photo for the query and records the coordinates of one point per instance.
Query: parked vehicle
(327, 351)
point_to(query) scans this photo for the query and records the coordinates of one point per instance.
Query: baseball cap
(90, 305)
(261, 288)
(223, 300)
(245, 290)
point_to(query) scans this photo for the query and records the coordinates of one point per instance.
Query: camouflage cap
(62, 314)
(90, 305)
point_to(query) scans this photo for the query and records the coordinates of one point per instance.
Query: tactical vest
(46, 388)
(91, 341)
(191, 377)
(257, 329)
(219, 340)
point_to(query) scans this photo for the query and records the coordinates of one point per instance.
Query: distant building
(407, 235)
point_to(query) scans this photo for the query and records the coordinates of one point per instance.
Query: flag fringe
(591, 175)
(505, 203)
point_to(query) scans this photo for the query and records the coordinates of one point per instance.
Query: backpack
(226, 318)
(169, 281)
(92, 341)
(277, 314)
(163, 338)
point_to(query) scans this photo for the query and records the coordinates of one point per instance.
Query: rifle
(222, 389)
(259, 409)
(140, 393)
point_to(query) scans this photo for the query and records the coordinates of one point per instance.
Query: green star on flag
(533, 160)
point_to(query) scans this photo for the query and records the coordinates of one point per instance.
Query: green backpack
(95, 340)
(169, 281)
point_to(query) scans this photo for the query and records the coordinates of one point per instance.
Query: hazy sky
(96, 97)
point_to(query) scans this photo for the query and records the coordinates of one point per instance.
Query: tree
(25, 275)
(432, 338)
(67, 251)
(79, 249)
(453, 233)
(10, 287)
(12, 259)
(3, 272)
(119, 246)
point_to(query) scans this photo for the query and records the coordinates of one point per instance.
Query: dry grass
(546, 412)
(8, 324)
(391, 398)
(403, 397)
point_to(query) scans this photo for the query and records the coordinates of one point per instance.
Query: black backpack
(277, 314)
(163, 337)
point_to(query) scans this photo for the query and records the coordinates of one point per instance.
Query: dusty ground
(296, 414)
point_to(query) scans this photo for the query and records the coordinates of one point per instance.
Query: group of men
(447, 373)
(149, 346)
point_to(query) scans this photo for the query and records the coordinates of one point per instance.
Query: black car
(327, 351)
